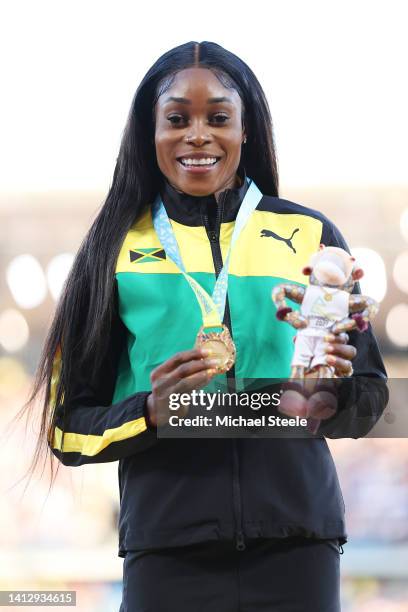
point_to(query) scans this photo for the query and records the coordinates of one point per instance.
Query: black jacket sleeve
(363, 397)
(92, 430)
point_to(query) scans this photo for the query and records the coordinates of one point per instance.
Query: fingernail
(206, 352)
(329, 348)
(213, 362)
(331, 359)
(211, 371)
(329, 338)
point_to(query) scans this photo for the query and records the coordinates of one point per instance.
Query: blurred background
(333, 73)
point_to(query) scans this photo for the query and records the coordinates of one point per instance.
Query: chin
(200, 187)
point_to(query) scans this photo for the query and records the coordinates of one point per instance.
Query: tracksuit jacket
(175, 492)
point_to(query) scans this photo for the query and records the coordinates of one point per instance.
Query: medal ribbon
(212, 307)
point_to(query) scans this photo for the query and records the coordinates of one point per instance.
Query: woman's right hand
(181, 373)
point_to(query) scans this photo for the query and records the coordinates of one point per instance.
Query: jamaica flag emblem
(146, 255)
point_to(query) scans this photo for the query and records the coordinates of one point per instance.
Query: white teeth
(198, 162)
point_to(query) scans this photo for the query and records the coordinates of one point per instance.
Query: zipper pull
(240, 541)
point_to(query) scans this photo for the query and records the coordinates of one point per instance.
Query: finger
(183, 371)
(341, 338)
(178, 359)
(187, 370)
(345, 351)
(342, 366)
(185, 385)
(195, 381)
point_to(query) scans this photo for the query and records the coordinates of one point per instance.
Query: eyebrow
(209, 101)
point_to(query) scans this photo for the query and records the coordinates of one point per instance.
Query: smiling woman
(199, 133)
(193, 236)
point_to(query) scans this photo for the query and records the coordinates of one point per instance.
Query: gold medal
(221, 345)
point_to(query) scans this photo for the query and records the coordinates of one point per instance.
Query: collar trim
(188, 209)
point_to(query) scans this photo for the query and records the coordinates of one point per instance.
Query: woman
(236, 524)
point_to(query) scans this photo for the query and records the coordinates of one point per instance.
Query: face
(199, 133)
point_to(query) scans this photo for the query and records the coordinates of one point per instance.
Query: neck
(232, 184)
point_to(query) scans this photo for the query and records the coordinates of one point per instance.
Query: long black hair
(82, 340)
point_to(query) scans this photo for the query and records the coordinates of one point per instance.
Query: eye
(220, 118)
(176, 119)
(179, 120)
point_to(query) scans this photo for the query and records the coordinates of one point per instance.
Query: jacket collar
(190, 210)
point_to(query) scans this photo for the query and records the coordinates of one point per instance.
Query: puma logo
(267, 233)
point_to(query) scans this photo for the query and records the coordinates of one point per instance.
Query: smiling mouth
(189, 162)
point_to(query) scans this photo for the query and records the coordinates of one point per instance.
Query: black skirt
(293, 574)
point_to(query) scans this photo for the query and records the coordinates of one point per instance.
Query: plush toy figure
(327, 306)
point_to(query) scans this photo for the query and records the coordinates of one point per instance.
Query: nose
(198, 134)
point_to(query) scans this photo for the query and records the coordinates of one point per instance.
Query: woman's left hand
(340, 354)
(321, 405)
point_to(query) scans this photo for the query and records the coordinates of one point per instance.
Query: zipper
(214, 238)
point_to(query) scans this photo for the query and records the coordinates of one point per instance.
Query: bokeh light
(404, 224)
(12, 376)
(57, 272)
(374, 282)
(400, 271)
(26, 281)
(397, 325)
(14, 330)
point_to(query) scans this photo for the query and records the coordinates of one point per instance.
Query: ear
(357, 274)
(244, 131)
(307, 270)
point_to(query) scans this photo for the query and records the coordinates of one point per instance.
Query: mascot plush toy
(327, 306)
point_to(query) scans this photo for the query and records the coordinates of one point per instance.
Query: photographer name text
(238, 421)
